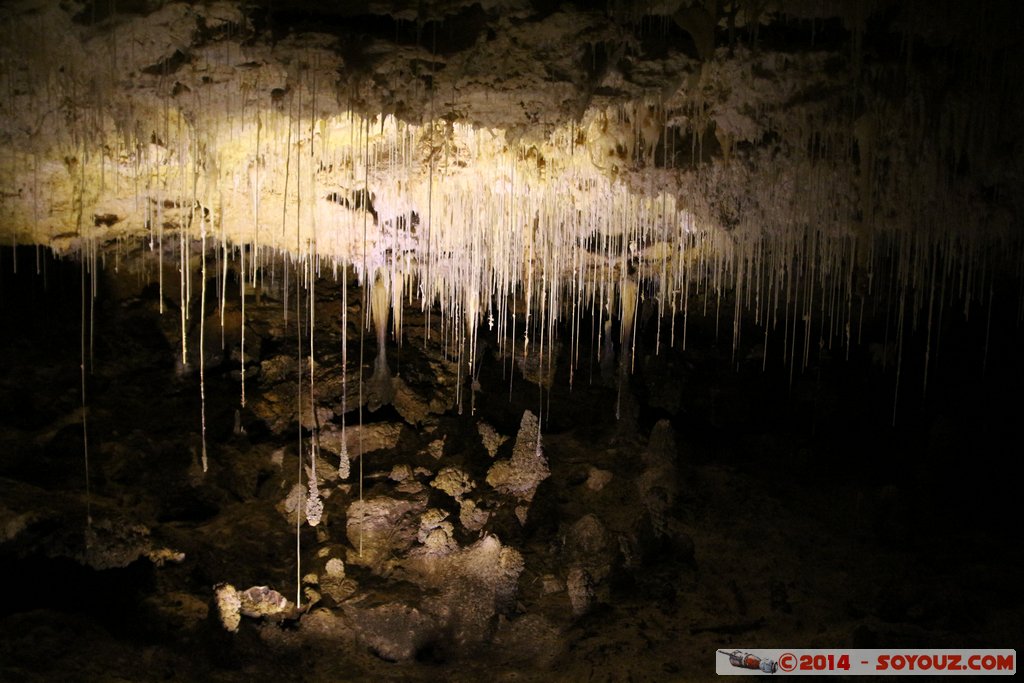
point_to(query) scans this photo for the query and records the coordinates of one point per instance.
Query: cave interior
(505, 339)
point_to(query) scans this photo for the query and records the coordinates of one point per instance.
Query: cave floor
(777, 533)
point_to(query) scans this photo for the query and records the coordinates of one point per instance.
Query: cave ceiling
(467, 147)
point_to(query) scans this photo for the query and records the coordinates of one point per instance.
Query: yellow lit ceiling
(477, 150)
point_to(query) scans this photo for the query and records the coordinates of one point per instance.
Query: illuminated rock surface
(600, 336)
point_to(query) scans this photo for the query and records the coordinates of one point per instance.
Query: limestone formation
(519, 476)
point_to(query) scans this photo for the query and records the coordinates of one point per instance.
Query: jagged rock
(413, 408)
(436, 447)
(160, 556)
(311, 595)
(432, 393)
(453, 481)
(400, 473)
(279, 369)
(361, 439)
(262, 601)
(471, 516)
(334, 583)
(444, 589)
(581, 590)
(277, 408)
(229, 606)
(491, 438)
(405, 480)
(436, 533)
(276, 401)
(256, 602)
(466, 588)
(381, 530)
(522, 512)
(520, 476)
(112, 542)
(536, 367)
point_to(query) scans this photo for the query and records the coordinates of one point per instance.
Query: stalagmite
(379, 391)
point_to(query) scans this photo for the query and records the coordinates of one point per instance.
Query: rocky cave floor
(725, 508)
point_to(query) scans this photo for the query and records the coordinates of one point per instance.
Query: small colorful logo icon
(745, 660)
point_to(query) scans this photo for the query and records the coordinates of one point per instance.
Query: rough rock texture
(492, 440)
(729, 134)
(657, 483)
(449, 588)
(589, 546)
(532, 639)
(359, 440)
(790, 202)
(278, 406)
(471, 516)
(229, 606)
(453, 481)
(436, 534)
(468, 586)
(393, 631)
(262, 601)
(580, 586)
(519, 476)
(381, 529)
(107, 541)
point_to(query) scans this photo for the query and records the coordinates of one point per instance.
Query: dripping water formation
(461, 340)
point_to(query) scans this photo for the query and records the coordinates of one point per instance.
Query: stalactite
(85, 416)
(362, 326)
(241, 292)
(183, 308)
(224, 272)
(344, 466)
(94, 275)
(314, 506)
(202, 344)
(628, 293)
(380, 302)
(300, 509)
(532, 234)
